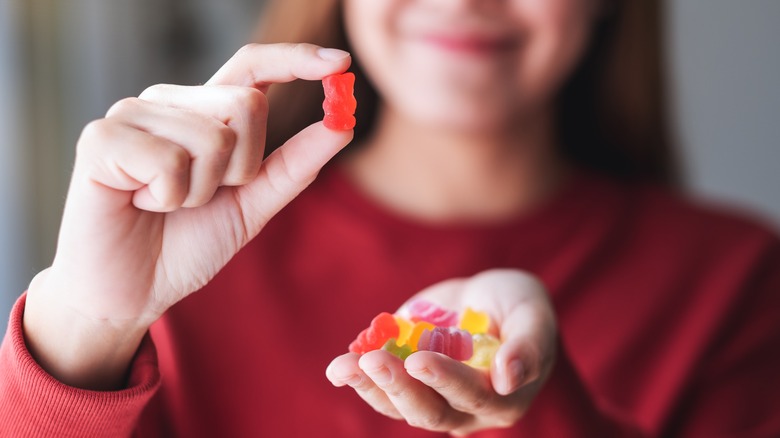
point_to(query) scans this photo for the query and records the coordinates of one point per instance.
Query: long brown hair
(611, 112)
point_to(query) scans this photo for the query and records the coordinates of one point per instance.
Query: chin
(467, 121)
(458, 114)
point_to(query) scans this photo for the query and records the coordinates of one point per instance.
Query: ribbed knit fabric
(668, 312)
(34, 404)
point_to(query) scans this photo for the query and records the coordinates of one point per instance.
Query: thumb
(286, 172)
(513, 367)
(528, 350)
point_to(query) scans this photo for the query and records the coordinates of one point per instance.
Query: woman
(504, 161)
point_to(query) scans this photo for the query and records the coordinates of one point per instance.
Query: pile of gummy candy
(431, 327)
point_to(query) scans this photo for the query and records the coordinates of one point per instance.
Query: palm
(195, 244)
(142, 262)
(462, 399)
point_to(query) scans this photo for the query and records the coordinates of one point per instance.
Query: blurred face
(468, 64)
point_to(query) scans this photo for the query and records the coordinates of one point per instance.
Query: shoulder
(714, 240)
(688, 220)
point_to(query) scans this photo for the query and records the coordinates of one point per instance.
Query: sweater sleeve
(733, 391)
(35, 404)
(565, 408)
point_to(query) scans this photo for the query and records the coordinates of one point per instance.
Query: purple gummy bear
(451, 341)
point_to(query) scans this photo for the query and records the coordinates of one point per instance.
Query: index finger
(260, 65)
(418, 403)
(466, 389)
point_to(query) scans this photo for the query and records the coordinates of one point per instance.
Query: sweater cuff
(33, 403)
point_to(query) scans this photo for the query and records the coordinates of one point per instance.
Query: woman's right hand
(165, 190)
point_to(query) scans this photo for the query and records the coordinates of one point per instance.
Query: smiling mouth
(471, 44)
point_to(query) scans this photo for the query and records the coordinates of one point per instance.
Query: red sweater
(669, 323)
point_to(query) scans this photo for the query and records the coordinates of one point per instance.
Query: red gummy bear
(383, 327)
(340, 103)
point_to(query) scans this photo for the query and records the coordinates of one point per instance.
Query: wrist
(76, 349)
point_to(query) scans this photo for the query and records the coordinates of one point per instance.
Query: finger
(419, 405)
(525, 321)
(243, 110)
(465, 388)
(259, 65)
(208, 141)
(152, 170)
(287, 171)
(344, 370)
(527, 350)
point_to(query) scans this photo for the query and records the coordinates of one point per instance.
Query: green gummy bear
(402, 352)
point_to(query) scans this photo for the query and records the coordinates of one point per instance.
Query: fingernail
(515, 374)
(380, 376)
(332, 54)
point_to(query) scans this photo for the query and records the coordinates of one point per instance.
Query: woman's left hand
(434, 392)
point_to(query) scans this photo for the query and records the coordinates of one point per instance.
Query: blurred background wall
(64, 62)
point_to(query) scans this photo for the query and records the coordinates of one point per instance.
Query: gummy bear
(382, 328)
(403, 351)
(474, 321)
(404, 330)
(485, 347)
(451, 341)
(423, 310)
(340, 103)
(417, 331)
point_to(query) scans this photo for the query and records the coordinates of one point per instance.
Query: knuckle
(154, 92)
(175, 162)
(434, 420)
(126, 105)
(253, 101)
(394, 391)
(387, 412)
(246, 50)
(364, 387)
(300, 49)
(478, 404)
(223, 139)
(242, 176)
(95, 132)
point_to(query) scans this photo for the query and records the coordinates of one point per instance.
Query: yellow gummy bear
(485, 347)
(474, 322)
(417, 330)
(404, 330)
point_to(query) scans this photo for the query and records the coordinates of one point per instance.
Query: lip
(471, 44)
